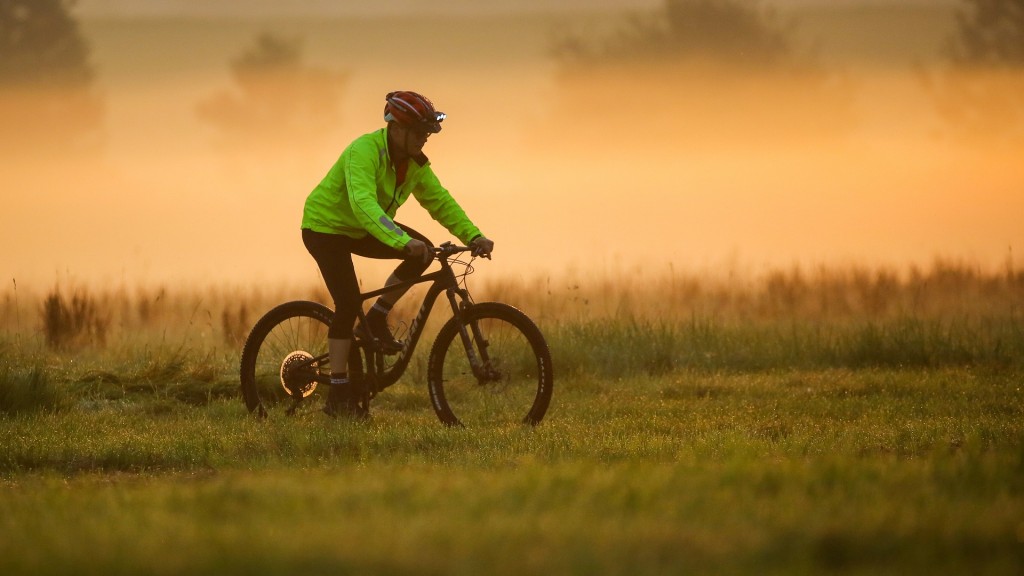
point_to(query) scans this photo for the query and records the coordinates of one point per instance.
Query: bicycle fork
(479, 360)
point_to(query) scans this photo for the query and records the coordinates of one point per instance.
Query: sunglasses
(428, 127)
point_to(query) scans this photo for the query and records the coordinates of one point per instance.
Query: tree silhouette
(45, 76)
(40, 44)
(725, 31)
(275, 96)
(990, 33)
(981, 92)
(698, 72)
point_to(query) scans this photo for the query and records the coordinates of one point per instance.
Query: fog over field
(859, 157)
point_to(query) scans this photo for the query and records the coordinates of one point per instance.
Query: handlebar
(448, 249)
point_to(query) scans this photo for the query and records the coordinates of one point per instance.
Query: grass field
(739, 427)
(872, 471)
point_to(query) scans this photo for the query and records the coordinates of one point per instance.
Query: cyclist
(351, 212)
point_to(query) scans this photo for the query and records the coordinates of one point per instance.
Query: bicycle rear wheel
(512, 383)
(285, 353)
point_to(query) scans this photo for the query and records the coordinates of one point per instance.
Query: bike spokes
(503, 377)
(285, 356)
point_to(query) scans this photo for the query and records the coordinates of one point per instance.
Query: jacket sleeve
(443, 208)
(361, 178)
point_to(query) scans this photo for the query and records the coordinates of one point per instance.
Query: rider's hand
(482, 246)
(418, 248)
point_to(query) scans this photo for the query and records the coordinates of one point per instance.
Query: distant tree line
(41, 44)
(727, 31)
(990, 33)
(704, 72)
(45, 77)
(983, 90)
(981, 93)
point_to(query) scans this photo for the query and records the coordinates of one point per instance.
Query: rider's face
(412, 140)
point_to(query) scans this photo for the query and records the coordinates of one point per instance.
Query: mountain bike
(489, 363)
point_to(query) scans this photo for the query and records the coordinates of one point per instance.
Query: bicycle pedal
(391, 348)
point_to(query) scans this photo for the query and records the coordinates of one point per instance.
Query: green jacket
(359, 196)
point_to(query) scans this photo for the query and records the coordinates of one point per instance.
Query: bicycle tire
(287, 334)
(519, 383)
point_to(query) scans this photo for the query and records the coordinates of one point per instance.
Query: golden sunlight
(858, 157)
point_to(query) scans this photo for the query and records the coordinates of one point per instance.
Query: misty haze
(841, 139)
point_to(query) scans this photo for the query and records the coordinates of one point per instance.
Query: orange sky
(162, 203)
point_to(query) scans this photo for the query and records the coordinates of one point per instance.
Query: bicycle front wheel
(503, 376)
(284, 355)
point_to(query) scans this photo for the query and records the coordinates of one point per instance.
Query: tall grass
(952, 314)
(824, 294)
(188, 340)
(28, 389)
(73, 322)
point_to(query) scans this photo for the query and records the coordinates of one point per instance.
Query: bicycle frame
(444, 280)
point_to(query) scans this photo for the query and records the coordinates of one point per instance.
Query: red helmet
(413, 110)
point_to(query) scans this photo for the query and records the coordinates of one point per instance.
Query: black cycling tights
(333, 254)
